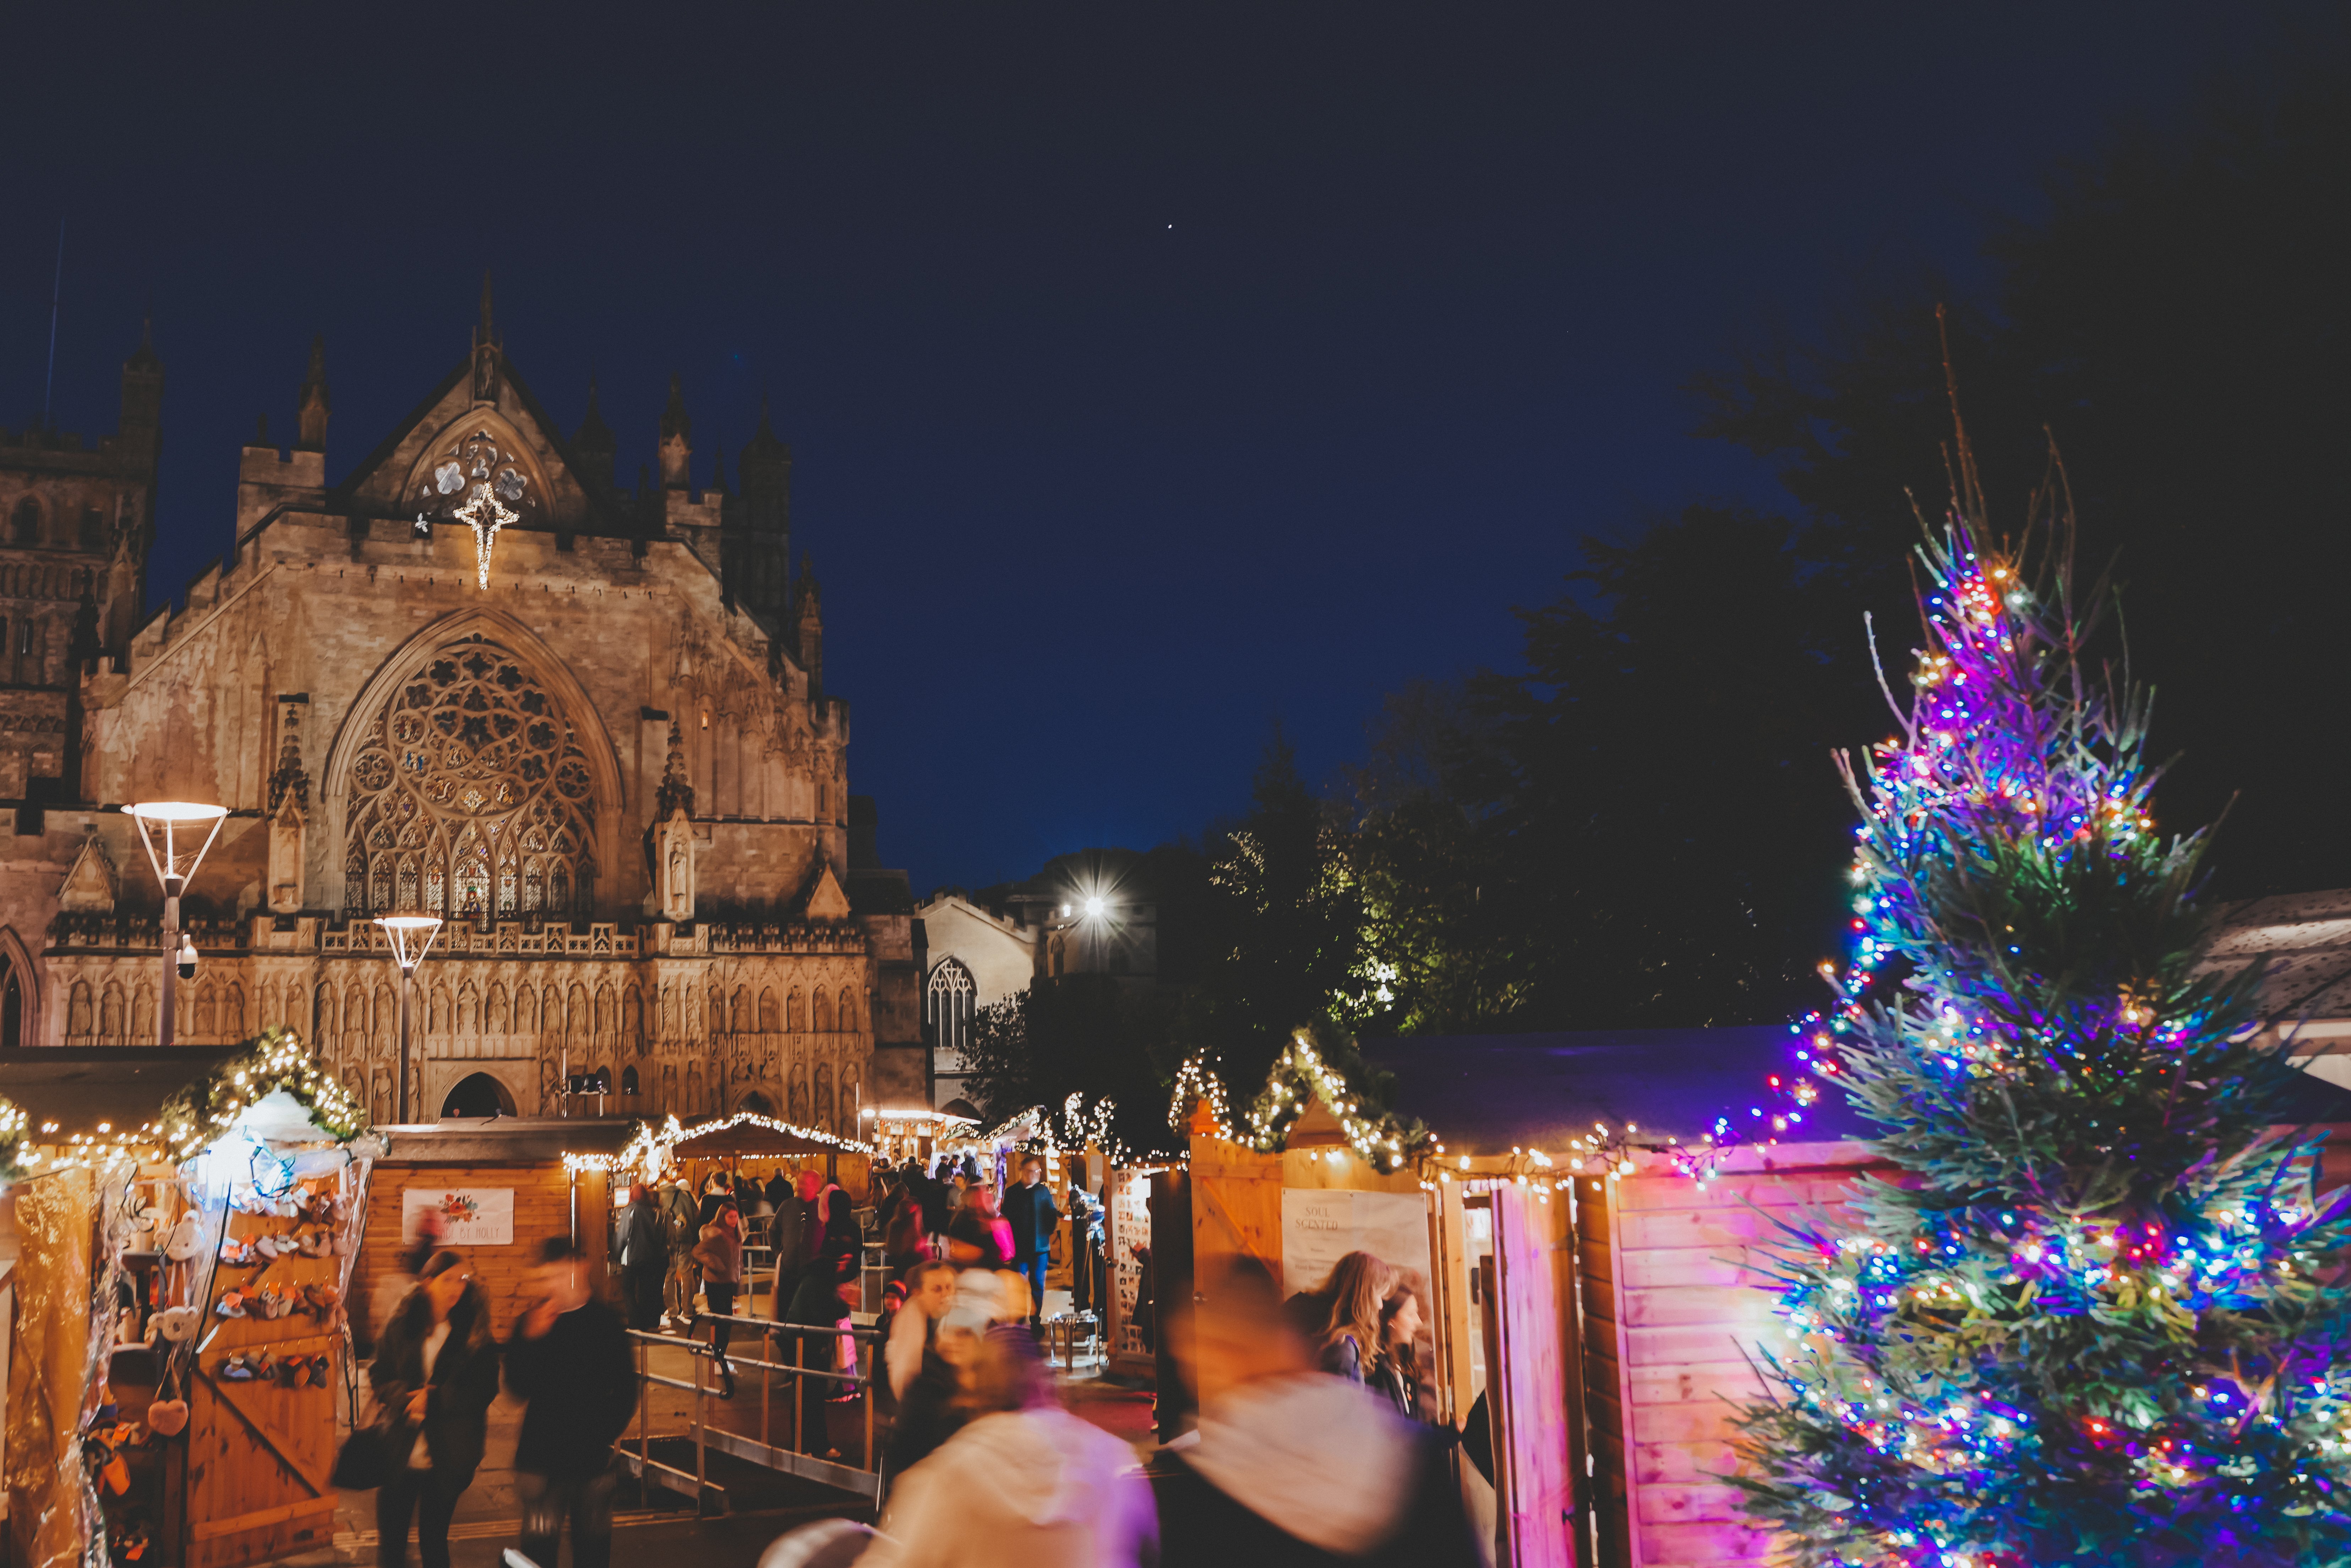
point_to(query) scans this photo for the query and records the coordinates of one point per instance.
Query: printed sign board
(466, 1216)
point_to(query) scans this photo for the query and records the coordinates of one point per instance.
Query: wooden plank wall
(542, 1208)
(1539, 1496)
(1675, 1267)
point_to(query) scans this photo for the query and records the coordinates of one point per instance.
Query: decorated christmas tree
(2099, 1314)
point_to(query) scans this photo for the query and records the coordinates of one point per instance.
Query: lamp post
(175, 823)
(410, 937)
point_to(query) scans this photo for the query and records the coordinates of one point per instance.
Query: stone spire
(486, 350)
(595, 445)
(719, 469)
(676, 441)
(677, 791)
(289, 778)
(811, 628)
(311, 421)
(766, 467)
(142, 391)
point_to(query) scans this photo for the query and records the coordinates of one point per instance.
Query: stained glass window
(471, 789)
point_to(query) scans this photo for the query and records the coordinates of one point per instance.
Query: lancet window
(470, 797)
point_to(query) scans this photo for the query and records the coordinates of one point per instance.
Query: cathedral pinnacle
(290, 778)
(311, 418)
(676, 793)
(676, 441)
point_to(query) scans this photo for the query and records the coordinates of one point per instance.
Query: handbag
(366, 1459)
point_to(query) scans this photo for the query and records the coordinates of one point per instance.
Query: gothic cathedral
(586, 726)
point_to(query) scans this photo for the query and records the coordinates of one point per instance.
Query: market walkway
(651, 1527)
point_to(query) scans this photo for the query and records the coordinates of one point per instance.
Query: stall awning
(755, 1136)
(1484, 1094)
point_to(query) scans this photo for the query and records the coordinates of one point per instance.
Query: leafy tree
(2102, 1319)
(1079, 1034)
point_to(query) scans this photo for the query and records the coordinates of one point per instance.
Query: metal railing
(865, 1480)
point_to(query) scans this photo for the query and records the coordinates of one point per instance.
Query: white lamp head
(410, 937)
(169, 830)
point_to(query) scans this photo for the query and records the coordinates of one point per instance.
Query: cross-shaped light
(470, 514)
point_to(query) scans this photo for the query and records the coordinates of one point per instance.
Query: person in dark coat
(569, 1361)
(434, 1374)
(1028, 1207)
(641, 1246)
(790, 1237)
(1259, 1485)
(820, 1299)
(719, 1192)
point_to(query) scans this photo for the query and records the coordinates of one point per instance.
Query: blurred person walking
(791, 1240)
(680, 1228)
(720, 1252)
(1029, 1212)
(1023, 1484)
(930, 1291)
(1295, 1466)
(978, 1238)
(435, 1373)
(569, 1361)
(641, 1246)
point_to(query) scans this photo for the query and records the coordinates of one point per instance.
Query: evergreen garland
(13, 1121)
(276, 1058)
(2099, 1318)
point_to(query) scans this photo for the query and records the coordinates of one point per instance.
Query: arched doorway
(478, 1094)
(757, 1104)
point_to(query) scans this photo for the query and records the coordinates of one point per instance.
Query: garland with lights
(12, 1138)
(2103, 1318)
(1301, 1074)
(193, 1119)
(1196, 1080)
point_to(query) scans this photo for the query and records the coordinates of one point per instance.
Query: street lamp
(410, 937)
(175, 823)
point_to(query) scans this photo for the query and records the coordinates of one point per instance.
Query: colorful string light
(2101, 1320)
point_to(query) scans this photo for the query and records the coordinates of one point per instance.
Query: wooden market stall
(495, 1189)
(178, 1334)
(1661, 1278)
(1482, 1237)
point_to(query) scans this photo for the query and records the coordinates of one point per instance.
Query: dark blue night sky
(1156, 373)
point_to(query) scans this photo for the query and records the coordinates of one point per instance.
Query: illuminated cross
(470, 514)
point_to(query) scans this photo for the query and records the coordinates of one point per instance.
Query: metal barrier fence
(865, 1480)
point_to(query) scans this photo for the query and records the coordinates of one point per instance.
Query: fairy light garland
(12, 1137)
(654, 1149)
(200, 1114)
(1197, 1082)
(1301, 1074)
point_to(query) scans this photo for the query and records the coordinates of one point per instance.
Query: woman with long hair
(1395, 1376)
(434, 1374)
(1350, 1338)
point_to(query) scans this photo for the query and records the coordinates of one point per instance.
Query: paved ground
(658, 1527)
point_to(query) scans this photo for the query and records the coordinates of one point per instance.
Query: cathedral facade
(586, 726)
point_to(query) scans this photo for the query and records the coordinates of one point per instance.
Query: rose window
(470, 797)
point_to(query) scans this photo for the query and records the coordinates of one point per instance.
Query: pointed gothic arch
(583, 795)
(20, 993)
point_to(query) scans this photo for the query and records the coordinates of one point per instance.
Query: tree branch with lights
(2099, 1316)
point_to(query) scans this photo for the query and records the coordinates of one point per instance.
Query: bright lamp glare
(1094, 906)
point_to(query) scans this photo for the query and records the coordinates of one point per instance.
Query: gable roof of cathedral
(605, 513)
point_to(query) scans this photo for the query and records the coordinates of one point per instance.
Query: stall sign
(468, 1216)
(1320, 1225)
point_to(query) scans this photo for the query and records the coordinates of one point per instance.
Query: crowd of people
(1311, 1443)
